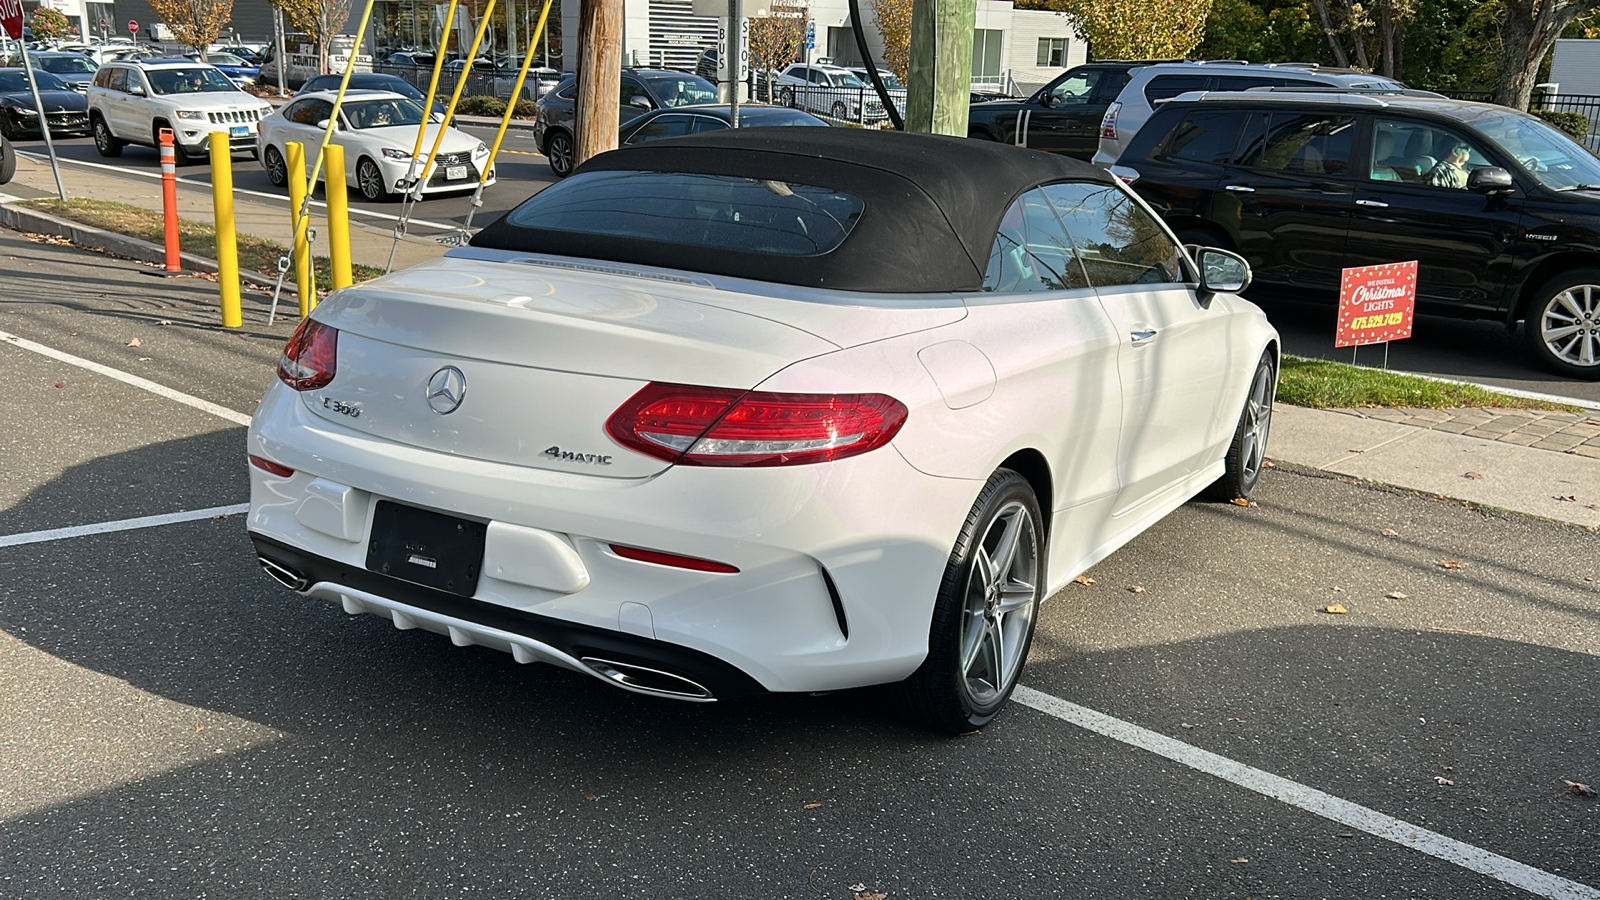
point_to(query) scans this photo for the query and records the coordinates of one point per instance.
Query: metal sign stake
(44, 121)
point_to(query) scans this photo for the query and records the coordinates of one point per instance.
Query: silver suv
(1152, 84)
(130, 102)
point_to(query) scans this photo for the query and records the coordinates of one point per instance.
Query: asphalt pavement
(1194, 724)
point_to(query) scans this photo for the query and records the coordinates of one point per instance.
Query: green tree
(1135, 29)
(49, 25)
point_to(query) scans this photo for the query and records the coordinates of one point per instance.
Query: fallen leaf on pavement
(870, 895)
(1396, 595)
(164, 322)
(1389, 532)
(1473, 475)
(1240, 859)
(1591, 506)
(588, 796)
(1451, 564)
(1136, 589)
(1440, 779)
(1578, 788)
(1335, 609)
(61, 384)
(1338, 590)
(144, 359)
(812, 805)
(134, 343)
(1240, 501)
(1354, 450)
(1083, 579)
(1269, 464)
(1565, 498)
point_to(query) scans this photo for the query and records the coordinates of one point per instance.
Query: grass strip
(1322, 384)
(257, 256)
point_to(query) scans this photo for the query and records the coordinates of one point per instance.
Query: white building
(1013, 49)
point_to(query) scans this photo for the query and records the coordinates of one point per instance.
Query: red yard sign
(1376, 304)
(11, 18)
(133, 25)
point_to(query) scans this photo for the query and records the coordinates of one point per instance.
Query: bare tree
(321, 19)
(775, 38)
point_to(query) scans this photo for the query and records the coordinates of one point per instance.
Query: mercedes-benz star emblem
(446, 389)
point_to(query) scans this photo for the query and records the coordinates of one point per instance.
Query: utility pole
(937, 91)
(599, 77)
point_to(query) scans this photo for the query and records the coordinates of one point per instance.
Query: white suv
(131, 101)
(828, 91)
(1152, 84)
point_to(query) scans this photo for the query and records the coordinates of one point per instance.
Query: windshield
(198, 80)
(845, 79)
(66, 65)
(1549, 155)
(18, 81)
(683, 90)
(382, 113)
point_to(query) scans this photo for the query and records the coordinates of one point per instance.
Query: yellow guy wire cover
(455, 96)
(303, 217)
(516, 94)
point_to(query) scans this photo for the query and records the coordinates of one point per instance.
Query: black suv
(1500, 210)
(1062, 117)
(642, 91)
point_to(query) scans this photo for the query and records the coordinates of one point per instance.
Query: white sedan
(764, 410)
(378, 130)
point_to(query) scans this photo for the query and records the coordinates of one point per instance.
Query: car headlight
(392, 153)
(193, 114)
(23, 111)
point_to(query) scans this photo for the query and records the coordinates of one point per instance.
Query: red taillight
(700, 426)
(311, 356)
(267, 465)
(1108, 122)
(672, 559)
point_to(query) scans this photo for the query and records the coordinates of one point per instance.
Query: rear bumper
(527, 636)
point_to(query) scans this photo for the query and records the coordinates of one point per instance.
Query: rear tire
(1247, 454)
(558, 150)
(104, 140)
(984, 614)
(277, 169)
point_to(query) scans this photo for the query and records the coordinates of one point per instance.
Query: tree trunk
(599, 77)
(1526, 36)
(1333, 38)
(1386, 26)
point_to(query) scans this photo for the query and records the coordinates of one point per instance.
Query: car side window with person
(1074, 90)
(1421, 153)
(1294, 143)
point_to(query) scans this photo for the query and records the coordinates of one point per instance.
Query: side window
(1075, 89)
(1165, 87)
(1421, 153)
(291, 113)
(1298, 143)
(662, 127)
(310, 112)
(1117, 241)
(570, 92)
(1204, 136)
(703, 124)
(1031, 251)
(1242, 82)
(101, 77)
(134, 79)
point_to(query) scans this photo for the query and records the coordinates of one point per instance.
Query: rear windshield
(743, 214)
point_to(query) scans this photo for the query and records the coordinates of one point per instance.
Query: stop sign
(11, 18)
(133, 27)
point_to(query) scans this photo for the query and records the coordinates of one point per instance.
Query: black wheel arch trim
(725, 680)
(1539, 271)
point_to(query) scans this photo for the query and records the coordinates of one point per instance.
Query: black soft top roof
(932, 204)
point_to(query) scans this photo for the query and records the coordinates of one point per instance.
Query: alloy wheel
(369, 180)
(1001, 596)
(277, 169)
(1258, 420)
(1569, 325)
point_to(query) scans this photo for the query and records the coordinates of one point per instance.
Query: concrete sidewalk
(1491, 467)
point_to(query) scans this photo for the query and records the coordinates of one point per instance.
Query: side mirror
(322, 125)
(1221, 272)
(436, 117)
(135, 91)
(641, 102)
(1489, 180)
(1047, 101)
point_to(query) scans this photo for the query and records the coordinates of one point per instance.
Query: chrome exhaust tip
(646, 680)
(284, 575)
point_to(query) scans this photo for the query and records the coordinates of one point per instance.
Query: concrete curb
(18, 218)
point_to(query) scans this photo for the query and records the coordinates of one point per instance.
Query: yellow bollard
(335, 189)
(304, 277)
(227, 235)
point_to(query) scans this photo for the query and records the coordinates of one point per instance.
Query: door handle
(1377, 203)
(1142, 335)
(1240, 189)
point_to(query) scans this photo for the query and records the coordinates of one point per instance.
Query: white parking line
(121, 170)
(220, 412)
(56, 534)
(1500, 868)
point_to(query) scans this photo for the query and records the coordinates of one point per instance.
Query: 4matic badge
(569, 456)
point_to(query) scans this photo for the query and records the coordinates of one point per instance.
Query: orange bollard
(169, 198)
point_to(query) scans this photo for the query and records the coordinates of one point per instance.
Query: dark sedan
(74, 69)
(643, 90)
(665, 123)
(67, 110)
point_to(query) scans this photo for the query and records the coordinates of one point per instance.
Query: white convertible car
(378, 131)
(785, 409)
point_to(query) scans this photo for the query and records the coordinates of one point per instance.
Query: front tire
(104, 140)
(786, 97)
(984, 615)
(369, 181)
(1563, 324)
(839, 110)
(558, 149)
(1248, 451)
(277, 169)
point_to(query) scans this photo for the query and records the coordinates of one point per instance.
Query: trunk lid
(546, 356)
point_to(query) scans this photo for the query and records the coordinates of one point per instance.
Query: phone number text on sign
(1376, 304)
